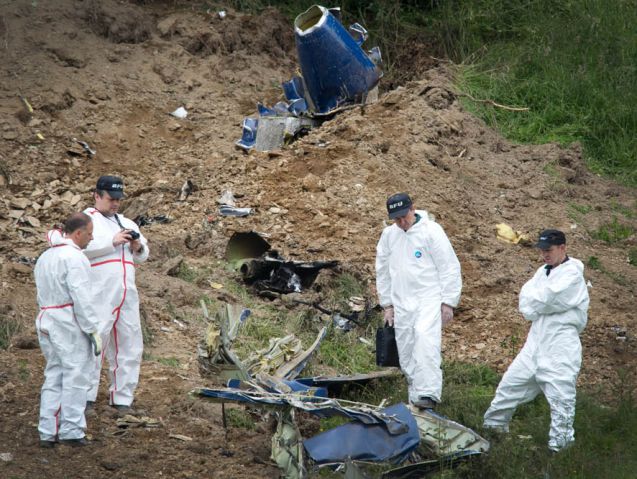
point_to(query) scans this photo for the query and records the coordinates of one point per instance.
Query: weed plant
(9, 327)
(572, 63)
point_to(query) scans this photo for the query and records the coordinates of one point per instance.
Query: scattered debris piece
(180, 113)
(180, 437)
(6, 457)
(143, 220)
(226, 210)
(227, 198)
(505, 233)
(129, 421)
(186, 189)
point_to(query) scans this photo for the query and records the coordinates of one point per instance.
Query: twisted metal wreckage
(335, 74)
(268, 379)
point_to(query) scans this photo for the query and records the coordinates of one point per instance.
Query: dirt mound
(108, 73)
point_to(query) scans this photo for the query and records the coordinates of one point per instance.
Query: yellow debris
(505, 233)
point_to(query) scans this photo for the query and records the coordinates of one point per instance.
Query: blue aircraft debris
(335, 72)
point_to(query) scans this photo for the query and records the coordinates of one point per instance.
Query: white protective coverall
(416, 271)
(113, 276)
(67, 316)
(550, 360)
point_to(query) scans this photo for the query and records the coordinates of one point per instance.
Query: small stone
(10, 135)
(480, 346)
(274, 210)
(33, 221)
(19, 203)
(16, 214)
(75, 200)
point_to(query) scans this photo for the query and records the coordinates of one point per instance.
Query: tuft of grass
(626, 211)
(172, 362)
(632, 256)
(613, 232)
(240, 418)
(23, 370)
(9, 327)
(593, 262)
(187, 273)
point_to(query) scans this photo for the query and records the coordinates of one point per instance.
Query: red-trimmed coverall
(67, 316)
(113, 276)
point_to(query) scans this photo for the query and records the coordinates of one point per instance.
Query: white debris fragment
(180, 113)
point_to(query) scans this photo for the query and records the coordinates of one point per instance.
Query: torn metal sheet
(215, 354)
(321, 407)
(276, 131)
(444, 436)
(287, 446)
(334, 67)
(365, 442)
(283, 358)
(278, 385)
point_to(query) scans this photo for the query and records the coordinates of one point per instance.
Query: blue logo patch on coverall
(418, 254)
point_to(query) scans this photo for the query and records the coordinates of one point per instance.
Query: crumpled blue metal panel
(249, 135)
(365, 442)
(321, 407)
(335, 68)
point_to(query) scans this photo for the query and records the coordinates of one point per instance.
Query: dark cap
(550, 238)
(398, 205)
(113, 185)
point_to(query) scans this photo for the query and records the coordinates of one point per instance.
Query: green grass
(612, 232)
(240, 418)
(632, 256)
(593, 262)
(172, 362)
(23, 370)
(571, 63)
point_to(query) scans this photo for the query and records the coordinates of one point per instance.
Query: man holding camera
(116, 248)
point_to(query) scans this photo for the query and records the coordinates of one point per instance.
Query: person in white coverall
(419, 282)
(66, 326)
(116, 249)
(555, 301)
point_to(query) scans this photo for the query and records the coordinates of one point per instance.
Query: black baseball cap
(398, 205)
(113, 185)
(550, 238)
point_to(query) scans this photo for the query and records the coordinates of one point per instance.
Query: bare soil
(109, 72)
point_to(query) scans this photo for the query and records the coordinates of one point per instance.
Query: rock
(75, 199)
(19, 268)
(10, 135)
(480, 346)
(312, 183)
(33, 221)
(19, 203)
(16, 214)
(274, 210)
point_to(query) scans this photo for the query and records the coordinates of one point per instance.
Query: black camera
(133, 234)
